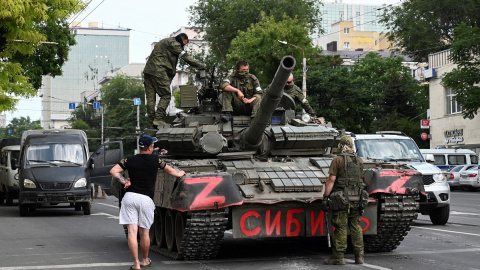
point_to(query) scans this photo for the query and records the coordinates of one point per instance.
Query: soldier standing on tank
(159, 71)
(240, 92)
(345, 176)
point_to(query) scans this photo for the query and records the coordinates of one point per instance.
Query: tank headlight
(306, 118)
(82, 182)
(439, 177)
(27, 183)
(15, 176)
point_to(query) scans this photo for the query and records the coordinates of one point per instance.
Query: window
(346, 45)
(452, 106)
(473, 159)
(439, 159)
(457, 159)
(346, 30)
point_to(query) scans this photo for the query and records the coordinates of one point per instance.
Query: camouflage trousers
(157, 86)
(231, 103)
(340, 220)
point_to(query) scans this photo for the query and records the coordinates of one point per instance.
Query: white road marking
(436, 251)
(68, 266)
(464, 213)
(440, 230)
(368, 265)
(105, 214)
(106, 204)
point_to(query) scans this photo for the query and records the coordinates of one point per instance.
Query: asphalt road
(61, 238)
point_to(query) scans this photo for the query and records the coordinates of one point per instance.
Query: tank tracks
(396, 215)
(203, 234)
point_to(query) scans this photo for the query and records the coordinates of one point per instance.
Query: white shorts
(137, 209)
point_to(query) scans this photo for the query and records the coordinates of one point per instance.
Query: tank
(262, 178)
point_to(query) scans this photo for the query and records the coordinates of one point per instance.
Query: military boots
(332, 261)
(359, 258)
(160, 123)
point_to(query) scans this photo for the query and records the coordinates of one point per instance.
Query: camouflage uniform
(297, 94)
(351, 215)
(159, 72)
(249, 85)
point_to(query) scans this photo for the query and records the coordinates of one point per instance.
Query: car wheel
(8, 198)
(23, 210)
(87, 207)
(439, 216)
(2, 197)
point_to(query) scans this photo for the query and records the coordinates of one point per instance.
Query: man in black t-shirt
(137, 211)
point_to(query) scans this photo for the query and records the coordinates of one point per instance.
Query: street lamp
(304, 67)
(136, 102)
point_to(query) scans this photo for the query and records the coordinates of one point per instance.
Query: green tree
(18, 126)
(25, 27)
(259, 46)
(93, 135)
(419, 27)
(121, 115)
(222, 19)
(390, 97)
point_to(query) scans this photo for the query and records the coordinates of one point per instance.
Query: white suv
(396, 147)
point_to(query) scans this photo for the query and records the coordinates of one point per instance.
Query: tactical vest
(351, 183)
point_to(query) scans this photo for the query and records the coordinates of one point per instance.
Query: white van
(396, 147)
(9, 174)
(445, 159)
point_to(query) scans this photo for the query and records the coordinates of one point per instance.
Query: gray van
(54, 169)
(9, 174)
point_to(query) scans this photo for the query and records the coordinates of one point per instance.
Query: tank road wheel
(179, 229)
(159, 226)
(170, 231)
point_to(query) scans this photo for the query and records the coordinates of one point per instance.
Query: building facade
(98, 51)
(448, 128)
(346, 38)
(363, 17)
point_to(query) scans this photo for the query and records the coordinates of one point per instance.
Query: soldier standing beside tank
(240, 92)
(345, 196)
(159, 71)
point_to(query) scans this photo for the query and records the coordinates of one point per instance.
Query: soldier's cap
(146, 141)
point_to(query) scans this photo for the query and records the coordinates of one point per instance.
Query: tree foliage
(221, 20)
(24, 58)
(259, 45)
(421, 27)
(18, 126)
(377, 94)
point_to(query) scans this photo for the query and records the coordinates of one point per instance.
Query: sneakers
(331, 261)
(359, 258)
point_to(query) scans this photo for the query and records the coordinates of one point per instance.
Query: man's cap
(146, 141)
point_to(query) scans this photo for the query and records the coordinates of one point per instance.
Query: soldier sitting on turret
(297, 94)
(240, 92)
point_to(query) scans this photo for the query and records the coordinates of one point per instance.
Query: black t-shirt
(142, 170)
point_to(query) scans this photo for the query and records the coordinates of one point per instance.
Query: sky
(149, 21)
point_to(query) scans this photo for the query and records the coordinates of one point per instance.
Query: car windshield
(389, 149)
(55, 153)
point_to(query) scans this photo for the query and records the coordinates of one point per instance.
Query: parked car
(453, 175)
(469, 179)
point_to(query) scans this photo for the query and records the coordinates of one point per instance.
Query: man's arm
(226, 86)
(329, 184)
(170, 170)
(116, 172)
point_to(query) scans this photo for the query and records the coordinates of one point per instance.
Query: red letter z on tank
(202, 200)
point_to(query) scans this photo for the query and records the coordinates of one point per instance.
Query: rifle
(327, 217)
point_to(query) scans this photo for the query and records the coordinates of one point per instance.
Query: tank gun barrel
(253, 135)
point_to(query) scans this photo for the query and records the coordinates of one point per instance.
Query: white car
(453, 175)
(396, 147)
(470, 179)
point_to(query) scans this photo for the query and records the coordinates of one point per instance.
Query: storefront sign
(453, 136)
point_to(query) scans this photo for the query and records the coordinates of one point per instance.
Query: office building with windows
(448, 128)
(98, 51)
